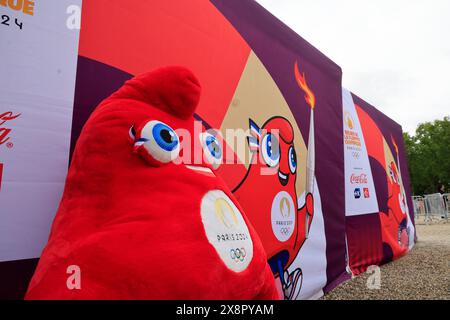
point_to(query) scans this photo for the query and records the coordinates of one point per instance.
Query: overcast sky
(395, 54)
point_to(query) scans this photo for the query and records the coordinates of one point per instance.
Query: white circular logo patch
(226, 230)
(283, 216)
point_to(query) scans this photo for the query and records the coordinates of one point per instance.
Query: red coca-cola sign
(358, 178)
(4, 130)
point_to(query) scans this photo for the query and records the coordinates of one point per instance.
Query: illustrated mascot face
(268, 194)
(136, 221)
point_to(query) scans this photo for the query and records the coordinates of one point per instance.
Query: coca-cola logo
(4, 130)
(358, 179)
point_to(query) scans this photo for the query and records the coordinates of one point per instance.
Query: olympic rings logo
(285, 231)
(238, 254)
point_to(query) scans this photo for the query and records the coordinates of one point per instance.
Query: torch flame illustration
(397, 155)
(395, 144)
(301, 80)
(411, 242)
(311, 160)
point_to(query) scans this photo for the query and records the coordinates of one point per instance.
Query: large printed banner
(338, 176)
(256, 76)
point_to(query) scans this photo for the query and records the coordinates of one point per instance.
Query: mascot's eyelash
(132, 133)
(254, 129)
(253, 140)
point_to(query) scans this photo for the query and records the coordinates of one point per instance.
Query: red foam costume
(136, 222)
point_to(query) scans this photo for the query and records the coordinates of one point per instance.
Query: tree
(428, 153)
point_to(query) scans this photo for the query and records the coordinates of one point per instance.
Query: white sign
(360, 195)
(37, 83)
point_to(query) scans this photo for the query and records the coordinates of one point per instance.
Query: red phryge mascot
(139, 224)
(395, 230)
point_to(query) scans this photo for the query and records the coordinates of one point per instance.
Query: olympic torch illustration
(400, 173)
(311, 160)
(396, 153)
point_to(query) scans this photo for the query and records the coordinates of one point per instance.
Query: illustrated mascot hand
(135, 222)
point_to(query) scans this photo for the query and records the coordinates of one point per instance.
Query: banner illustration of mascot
(388, 233)
(277, 174)
(397, 231)
(270, 96)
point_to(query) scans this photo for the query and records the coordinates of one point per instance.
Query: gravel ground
(424, 273)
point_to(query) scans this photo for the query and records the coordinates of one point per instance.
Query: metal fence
(432, 207)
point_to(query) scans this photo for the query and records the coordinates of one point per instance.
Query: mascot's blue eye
(270, 149)
(159, 140)
(165, 136)
(213, 146)
(292, 159)
(212, 149)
